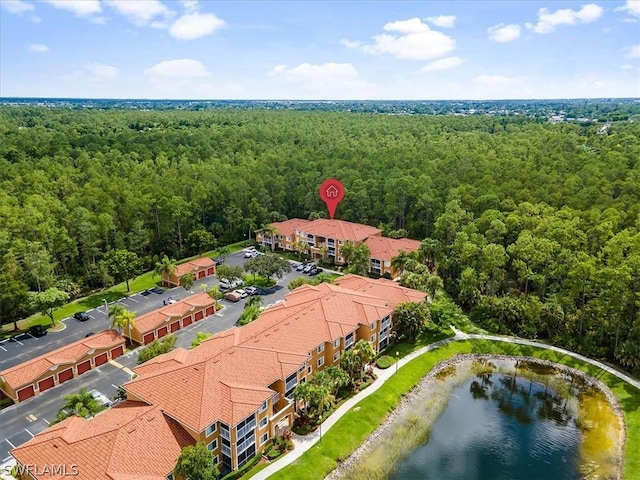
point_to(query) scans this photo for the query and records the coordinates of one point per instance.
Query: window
(210, 429)
(215, 460)
(321, 348)
(373, 338)
(263, 407)
(309, 370)
(320, 361)
(224, 431)
(302, 368)
(213, 445)
(336, 343)
(336, 356)
(373, 326)
(246, 426)
(350, 340)
(263, 422)
(292, 381)
(170, 476)
(340, 259)
(264, 438)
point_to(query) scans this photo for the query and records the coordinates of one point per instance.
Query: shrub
(385, 361)
(156, 348)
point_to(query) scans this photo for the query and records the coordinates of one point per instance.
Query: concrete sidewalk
(304, 443)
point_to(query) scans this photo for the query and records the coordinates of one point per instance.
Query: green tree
(214, 292)
(271, 231)
(229, 271)
(46, 302)
(224, 252)
(399, 262)
(187, 280)
(157, 347)
(167, 266)
(270, 265)
(200, 241)
(249, 314)
(124, 319)
(14, 293)
(410, 319)
(122, 264)
(355, 359)
(196, 463)
(357, 256)
(81, 404)
(200, 337)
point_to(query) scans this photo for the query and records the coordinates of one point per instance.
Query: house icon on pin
(332, 192)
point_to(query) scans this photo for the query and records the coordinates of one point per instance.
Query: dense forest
(533, 226)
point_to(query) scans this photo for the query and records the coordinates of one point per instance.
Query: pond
(498, 418)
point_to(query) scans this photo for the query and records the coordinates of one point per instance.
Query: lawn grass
(138, 284)
(354, 427)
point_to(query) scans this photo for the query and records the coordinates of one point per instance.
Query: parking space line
(133, 299)
(12, 445)
(32, 435)
(18, 341)
(48, 422)
(7, 459)
(3, 348)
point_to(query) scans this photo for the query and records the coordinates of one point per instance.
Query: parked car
(81, 316)
(251, 290)
(242, 293)
(169, 301)
(89, 334)
(300, 267)
(238, 282)
(225, 284)
(315, 271)
(250, 253)
(232, 296)
(101, 398)
(218, 260)
(37, 331)
(308, 268)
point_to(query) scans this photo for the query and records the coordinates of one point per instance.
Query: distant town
(585, 111)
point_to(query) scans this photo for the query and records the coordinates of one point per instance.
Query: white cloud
(195, 25)
(38, 48)
(626, 67)
(17, 6)
(80, 8)
(143, 12)
(326, 81)
(633, 51)
(410, 39)
(444, 21)
(351, 44)
(443, 64)
(190, 6)
(504, 33)
(632, 7)
(180, 69)
(547, 22)
(500, 81)
(95, 72)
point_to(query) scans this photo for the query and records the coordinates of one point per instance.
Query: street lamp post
(106, 309)
(397, 360)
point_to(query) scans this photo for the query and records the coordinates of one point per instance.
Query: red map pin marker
(332, 193)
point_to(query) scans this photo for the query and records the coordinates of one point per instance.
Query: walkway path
(304, 443)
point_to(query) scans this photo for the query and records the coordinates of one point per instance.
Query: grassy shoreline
(352, 429)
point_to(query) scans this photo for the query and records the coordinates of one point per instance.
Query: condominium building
(323, 238)
(234, 392)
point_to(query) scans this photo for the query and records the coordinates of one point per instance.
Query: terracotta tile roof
(194, 265)
(288, 227)
(340, 229)
(392, 291)
(131, 440)
(28, 372)
(235, 380)
(152, 320)
(384, 248)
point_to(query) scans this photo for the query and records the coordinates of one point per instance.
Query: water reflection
(498, 420)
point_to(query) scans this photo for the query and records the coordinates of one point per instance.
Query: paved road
(20, 422)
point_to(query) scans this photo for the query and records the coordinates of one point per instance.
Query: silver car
(101, 398)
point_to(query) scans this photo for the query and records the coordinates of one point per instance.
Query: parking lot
(20, 422)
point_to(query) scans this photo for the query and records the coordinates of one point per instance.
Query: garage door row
(176, 325)
(42, 373)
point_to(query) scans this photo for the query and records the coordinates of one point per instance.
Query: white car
(226, 284)
(101, 398)
(237, 282)
(242, 293)
(250, 253)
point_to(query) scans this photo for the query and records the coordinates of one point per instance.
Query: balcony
(280, 407)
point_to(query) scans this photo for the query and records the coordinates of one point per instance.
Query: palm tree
(82, 404)
(410, 319)
(272, 232)
(323, 250)
(359, 259)
(429, 249)
(399, 262)
(187, 280)
(123, 319)
(114, 310)
(300, 247)
(165, 267)
(224, 252)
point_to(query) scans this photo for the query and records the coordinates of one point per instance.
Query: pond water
(499, 420)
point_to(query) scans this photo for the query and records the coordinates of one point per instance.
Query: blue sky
(319, 50)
